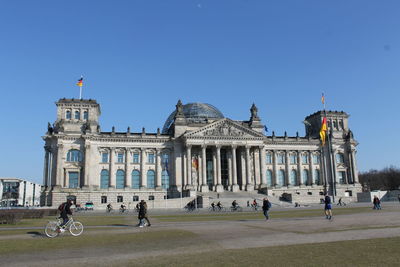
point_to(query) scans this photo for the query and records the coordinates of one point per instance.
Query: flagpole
(331, 162)
(80, 92)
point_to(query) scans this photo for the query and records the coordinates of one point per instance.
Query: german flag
(322, 132)
(80, 82)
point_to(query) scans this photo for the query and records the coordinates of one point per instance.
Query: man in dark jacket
(143, 214)
(266, 206)
(65, 210)
(328, 207)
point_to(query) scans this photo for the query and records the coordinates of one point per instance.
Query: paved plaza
(206, 236)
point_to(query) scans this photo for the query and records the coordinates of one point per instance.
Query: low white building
(18, 192)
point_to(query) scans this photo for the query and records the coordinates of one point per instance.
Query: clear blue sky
(139, 57)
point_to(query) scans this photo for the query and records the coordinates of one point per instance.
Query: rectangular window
(104, 157)
(341, 177)
(304, 159)
(120, 157)
(73, 179)
(151, 197)
(136, 157)
(293, 159)
(281, 159)
(135, 198)
(151, 158)
(316, 159)
(103, 199)
(85, 115)
(268, 158)
(120, 199)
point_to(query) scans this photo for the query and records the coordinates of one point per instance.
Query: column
(215, 180)
(311, 172)
(45, 167)
(177, 167)
(158, 169)
(274, 169)
(256, 161)
(249, 185)
(60, 170)
(143, 180)
(263, 169)
(189, 167)
(235, 186)
(229, 159)
(204, 186)
(128, 169)
(86, 171)
(184, 178)
(353, 160)
(112, 168)
(219, 187)
(299, 172)
(287, 170)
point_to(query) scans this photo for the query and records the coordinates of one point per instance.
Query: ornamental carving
(224, 130)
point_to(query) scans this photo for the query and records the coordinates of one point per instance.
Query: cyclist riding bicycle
(213, 206)
(65, 210)
(234, 204)
(122, 208)
(219, 205)
(109, 207)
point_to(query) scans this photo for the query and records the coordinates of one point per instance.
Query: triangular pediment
(224, 128)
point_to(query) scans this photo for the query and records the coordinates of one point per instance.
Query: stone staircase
(241, 198)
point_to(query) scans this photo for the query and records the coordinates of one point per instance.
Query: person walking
(266, 206)
(143, 214)
(328, 207)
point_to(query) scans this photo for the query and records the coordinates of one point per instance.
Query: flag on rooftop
(80, 82)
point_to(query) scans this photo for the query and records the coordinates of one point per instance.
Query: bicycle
(122, 210)
(237, 208)
(53, 228)
(255, 207)
(190, 208)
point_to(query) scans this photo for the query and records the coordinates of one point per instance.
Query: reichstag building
(197, 152)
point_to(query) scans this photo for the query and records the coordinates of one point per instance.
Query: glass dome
(195, 113)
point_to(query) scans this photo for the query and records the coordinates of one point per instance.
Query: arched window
(339, 158)
(77, 115)
(293, 177)
(74, 156)
(85, 115)
(281, 178)
(150, 179)
(165, 179)
(135, 179)
(104, 179)
(269, 178)
(317, 177)
(120, 181)
(305, 176)
(335, 124)
(68, 115)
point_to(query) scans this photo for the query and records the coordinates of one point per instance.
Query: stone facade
(198, 150)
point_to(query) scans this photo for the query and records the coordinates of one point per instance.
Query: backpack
(61, 207)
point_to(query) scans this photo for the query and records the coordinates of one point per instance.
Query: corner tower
(77, 116)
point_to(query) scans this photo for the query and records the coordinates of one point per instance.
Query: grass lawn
(369, 252)
(134, 241)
